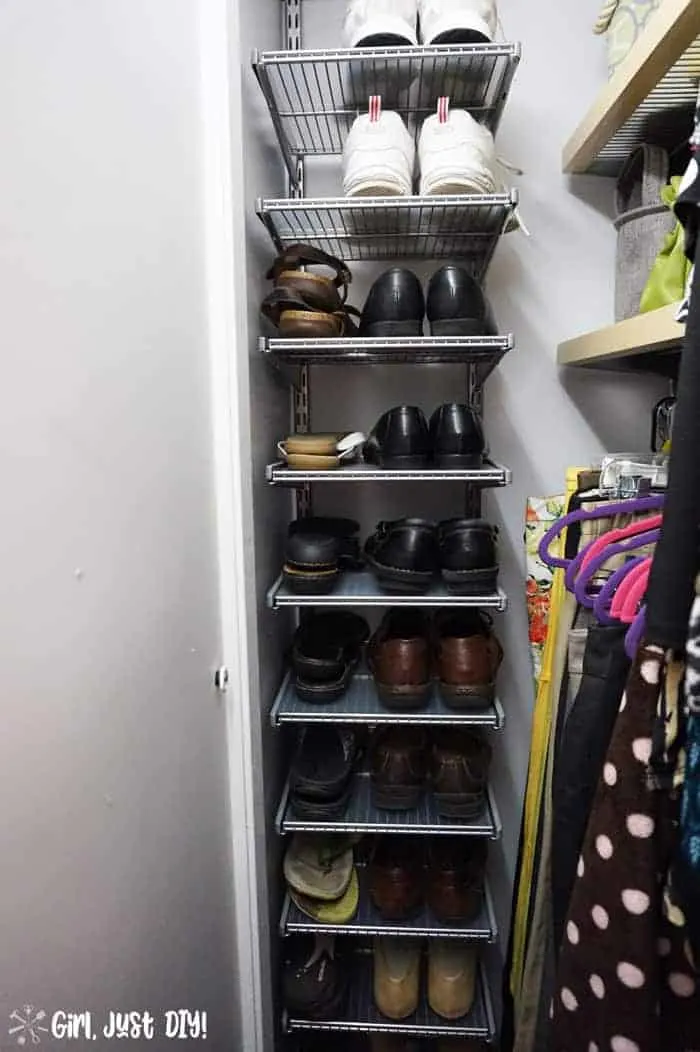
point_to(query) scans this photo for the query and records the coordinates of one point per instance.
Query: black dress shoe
(403, 555)
(395, 305)
(325, 650)
(311, 563)
(456, 437)
(467, 552)
(344, 531)
(457, 306)
(399, 439)
(319, 778)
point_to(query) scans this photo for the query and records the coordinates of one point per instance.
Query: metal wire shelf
(361, 1015)
(664, 118)
(361, 705)
(314, 96)
(361, 589)
(361, 816)
(368, 921)
(278, 474)
(465, 227)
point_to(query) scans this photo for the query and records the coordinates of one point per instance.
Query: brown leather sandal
(318, 290)
(294, 317)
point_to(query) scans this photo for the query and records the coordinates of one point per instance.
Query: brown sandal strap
(299, 255)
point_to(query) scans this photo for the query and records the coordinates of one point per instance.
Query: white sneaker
(457, 21)
(457, 156)
(379, 157)
(381, 23)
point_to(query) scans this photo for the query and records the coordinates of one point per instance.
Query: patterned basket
(642, 223)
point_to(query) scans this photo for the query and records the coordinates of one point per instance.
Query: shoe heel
(460, 698)
(471, 582)
(458, 327)
(384, 329)
(395, 797)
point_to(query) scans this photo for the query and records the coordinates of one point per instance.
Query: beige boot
(451, 977)
(396, 976)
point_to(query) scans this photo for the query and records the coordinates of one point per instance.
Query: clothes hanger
(602, 602)
(635, 634)
(628, 598)
(652, 522)
(621, 507)
(621, 548)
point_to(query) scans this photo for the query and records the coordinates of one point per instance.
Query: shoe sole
(458, 460)
(393, 579)
(471, 582)
(310, 582)
(313, 809)
(306, 325)
(396, 797)
(459, 697)
(455, 184)
(384, 329)
(400, 698)
(377, 188)
(404, 463)
(459, 805)
(458, 327)
(320, 693)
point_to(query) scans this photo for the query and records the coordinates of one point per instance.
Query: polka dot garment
(623, 982)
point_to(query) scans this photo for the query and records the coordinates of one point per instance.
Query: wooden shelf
(634, 105)
(643, 341)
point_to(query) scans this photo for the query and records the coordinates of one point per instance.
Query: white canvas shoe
(379, 157)
(381, 23)
(457, 21)
(457, 156)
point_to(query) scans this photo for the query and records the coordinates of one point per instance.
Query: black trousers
(583, 745)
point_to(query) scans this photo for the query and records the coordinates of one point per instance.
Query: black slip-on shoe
(456, 437)
(325, 650)
(403, 555)
(345, 532)
(314, 983)
(311, 563)
(399, 439)
(395, 305)
(319, 778)
(467, 553)
(457, 305)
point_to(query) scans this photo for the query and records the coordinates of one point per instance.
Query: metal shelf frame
(361, 1015)
(362, 817)
(360, 588)
(361, 705)
(314, 96)
(459, 227)
(368, 922)
(278, 474)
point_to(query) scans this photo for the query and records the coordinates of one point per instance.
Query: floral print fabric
(541, 512)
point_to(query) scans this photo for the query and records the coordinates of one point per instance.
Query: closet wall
(114, 827)
(538, 419)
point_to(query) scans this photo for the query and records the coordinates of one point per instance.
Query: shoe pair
(448, 876)
(321, 772)
(453, 761)
(305, 303)
(408, 555)
(394, 23)
(451, 985)
(321, 877)
(410, 651)
(455, 305)
(456, 155)
(314, 981)
(402, 438)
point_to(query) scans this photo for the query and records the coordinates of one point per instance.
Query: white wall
(543, 289)
(115, 890)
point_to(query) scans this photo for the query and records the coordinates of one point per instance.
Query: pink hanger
(629, 595)
(640, 526)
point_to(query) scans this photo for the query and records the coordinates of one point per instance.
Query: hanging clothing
(584, 743)
(624, 982)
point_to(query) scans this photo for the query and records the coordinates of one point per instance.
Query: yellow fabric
(539, 741)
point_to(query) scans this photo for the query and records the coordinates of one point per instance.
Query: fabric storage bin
(642, 222)
(623, 21)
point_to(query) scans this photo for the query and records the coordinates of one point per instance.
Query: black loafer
(319, 778)
(314, 983)
(395, 305)
(399, 439)
(457, 305)
(403, 555)
(467, 552)
(456, 437)
(311, 563)
(344, 531)
(325, 651)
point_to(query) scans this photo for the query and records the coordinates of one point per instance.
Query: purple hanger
(580, 585)
(635, 633)
(620, 507)
(601, 602)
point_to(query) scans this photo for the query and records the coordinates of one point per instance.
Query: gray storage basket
(642, 223)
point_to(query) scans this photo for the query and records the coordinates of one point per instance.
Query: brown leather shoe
(452, 966)
(468, 656)
(459, 767)
(396, 976)
(398, 761)
(455, 880)
(396, 877)
(399, 659)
